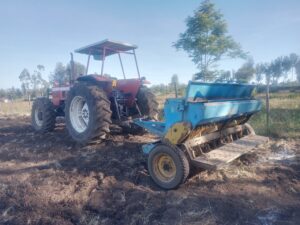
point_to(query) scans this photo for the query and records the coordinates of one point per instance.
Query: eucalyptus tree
(246, 72)
(206, 40)
(294, 60)
(259, 72)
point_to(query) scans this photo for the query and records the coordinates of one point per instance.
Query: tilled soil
(49, 179)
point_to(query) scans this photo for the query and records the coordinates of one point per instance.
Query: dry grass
(284, 115)
(17, 107)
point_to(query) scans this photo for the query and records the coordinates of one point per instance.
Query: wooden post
(268, 104)
(176, 91)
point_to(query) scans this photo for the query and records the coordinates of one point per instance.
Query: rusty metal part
(178, 133)
(164, 167)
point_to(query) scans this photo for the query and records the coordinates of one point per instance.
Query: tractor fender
(105, 84)
(92, 79)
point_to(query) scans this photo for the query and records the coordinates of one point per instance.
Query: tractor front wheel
(168, 166)
(43, 115)
(87, 112)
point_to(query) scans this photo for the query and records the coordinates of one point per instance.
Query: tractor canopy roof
(105, 48)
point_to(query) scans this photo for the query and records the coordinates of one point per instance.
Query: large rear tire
(147, 103)
(168, 166)
(43, 115)
(88, 114)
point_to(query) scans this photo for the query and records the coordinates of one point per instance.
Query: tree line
(170, 88)
(34, 85)
(258, 73)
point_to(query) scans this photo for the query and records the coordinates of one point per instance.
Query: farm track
(48, 179)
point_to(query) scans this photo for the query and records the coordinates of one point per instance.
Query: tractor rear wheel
(88, 114)
(168, 166)
(147, 103)
(43, 115)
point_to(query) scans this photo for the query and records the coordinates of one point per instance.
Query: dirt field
(48, 179)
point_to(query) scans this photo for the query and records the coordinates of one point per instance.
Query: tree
(246, 72)
(206, 39)
(294, 60)
(13, 93)
(276, 70)
(33, 84)
(174, 83)
(259, 71)
(59, 75)
(279, 67)
(297, 68)
(62, 74)
(286, 65)
(39, 84)
(174, 79)
(25, 79)
(224, 76)
(79, 70)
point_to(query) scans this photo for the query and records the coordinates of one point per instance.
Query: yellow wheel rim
(164, 167)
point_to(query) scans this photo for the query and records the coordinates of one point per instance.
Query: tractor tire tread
(147, 103)
(100, 109)
(49, 115)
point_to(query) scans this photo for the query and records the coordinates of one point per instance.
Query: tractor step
(219, 157)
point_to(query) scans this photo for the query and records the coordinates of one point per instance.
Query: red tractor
(92, 104)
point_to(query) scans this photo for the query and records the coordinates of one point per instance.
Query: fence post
(268, 104)
(176, 91)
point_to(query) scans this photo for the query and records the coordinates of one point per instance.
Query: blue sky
(45, 32)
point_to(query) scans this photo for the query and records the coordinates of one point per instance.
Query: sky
(36, 32)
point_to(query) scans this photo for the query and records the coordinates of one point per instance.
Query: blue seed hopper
(208, 128)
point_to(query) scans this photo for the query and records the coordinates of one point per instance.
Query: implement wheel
(168, 166)
(43, 115)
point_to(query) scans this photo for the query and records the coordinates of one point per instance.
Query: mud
(49, 179)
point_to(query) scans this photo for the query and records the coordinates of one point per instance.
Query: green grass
(284, 116)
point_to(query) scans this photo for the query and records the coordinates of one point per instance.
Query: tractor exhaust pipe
(71, 78)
